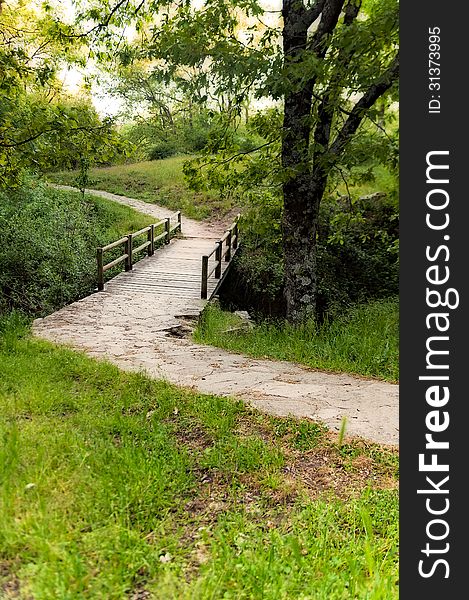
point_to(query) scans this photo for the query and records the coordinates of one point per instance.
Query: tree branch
(326, 109)
(44, 131)
(238, 154)
(106, 21)
(314, 11)
(330, 14)
(366, 101)
(323, 128)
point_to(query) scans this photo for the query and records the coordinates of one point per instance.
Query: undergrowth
(49, 243)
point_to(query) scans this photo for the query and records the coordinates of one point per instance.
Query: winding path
(135, 324)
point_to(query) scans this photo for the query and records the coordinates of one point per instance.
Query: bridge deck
(174, 271)
(153, 297)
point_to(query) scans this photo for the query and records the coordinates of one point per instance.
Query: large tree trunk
(300, 209)
(304, 187)
(300, 223)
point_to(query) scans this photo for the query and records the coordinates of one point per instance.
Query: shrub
(48, 242)
(49, 246)
(196, 137)
(357, 257)
(162, 149)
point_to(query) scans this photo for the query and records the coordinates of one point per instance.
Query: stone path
(135, 323)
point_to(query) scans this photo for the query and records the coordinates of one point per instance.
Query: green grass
(364, 341)
(116, 486)
(159, 182)
(115, 219)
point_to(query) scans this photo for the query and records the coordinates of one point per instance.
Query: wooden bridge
(150, 282)
(191, 267)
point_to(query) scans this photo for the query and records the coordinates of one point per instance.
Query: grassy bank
(113, 486)
(49, 244)
(160, 182)
(364, 341)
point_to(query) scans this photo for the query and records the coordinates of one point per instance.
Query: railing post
(167, 227)
(228, 245)
(203, 289)
(236, 232)
(99, 257)
(151, 239)
(128, 251)
(218, 252)
(179, 221)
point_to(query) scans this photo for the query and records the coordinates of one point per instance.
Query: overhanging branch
(238, 154)
(50, 130)
(374, 92)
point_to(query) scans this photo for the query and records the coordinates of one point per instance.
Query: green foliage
(336, 69)
(69, 134)
(114, 485)
(90, 141)
(189, 133)
(363, 340)
(358, 256)
(41, 127)
(49, 245)
(162, 149)
(357, 250)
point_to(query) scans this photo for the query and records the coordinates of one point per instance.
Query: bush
(187, 134)
(357, 259)
(196, 137)
(48, 256)
(162, 149)
(357, 252)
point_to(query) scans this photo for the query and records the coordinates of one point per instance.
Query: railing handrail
(129, 250)
(231, 237)
(115, 244)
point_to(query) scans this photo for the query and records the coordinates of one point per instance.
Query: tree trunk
(302, 197)
(300, 210)
(307, 151)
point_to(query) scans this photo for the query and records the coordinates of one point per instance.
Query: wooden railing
(153, 238)
(230, 240)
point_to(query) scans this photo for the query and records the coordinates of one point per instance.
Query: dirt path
(136, 322)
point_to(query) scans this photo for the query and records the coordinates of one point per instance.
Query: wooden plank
(218, 257)
(167, 227)
(99, 257)
(160, 236)
(169, 277)
(115, 262)
(114, 244)
(140, 231)
(157, 286)
(128, 251)
(141, 247)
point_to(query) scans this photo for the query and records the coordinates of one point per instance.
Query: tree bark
(300, 223)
